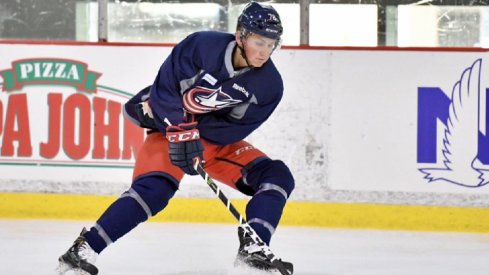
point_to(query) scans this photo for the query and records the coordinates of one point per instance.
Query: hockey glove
(184, 146)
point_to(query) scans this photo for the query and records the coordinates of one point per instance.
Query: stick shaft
(222, 196)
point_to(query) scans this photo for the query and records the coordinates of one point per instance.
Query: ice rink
(33, 246)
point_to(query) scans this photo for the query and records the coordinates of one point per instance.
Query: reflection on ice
(33, 246)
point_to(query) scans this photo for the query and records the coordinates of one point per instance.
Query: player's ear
(237, 37)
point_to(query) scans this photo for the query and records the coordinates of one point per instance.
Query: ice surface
(33, 246)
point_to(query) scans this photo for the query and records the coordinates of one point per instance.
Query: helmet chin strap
(243, 52)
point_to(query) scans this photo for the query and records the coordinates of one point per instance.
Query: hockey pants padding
(273, 183)
(147, 196)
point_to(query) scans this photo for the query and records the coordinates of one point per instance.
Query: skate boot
(79, 258)
(251, 254)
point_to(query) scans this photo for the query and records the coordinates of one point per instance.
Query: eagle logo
(460, 164)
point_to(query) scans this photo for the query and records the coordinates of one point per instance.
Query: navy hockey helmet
(261, 19)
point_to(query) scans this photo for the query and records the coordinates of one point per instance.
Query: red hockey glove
(185, 146)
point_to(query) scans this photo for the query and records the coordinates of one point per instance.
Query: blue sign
(462, 158)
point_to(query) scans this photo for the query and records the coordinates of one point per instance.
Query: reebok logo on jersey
(241, 89)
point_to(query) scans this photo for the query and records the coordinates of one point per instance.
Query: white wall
(347, 126)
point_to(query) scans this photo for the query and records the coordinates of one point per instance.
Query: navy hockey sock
(275, 184)
(146, 197)
(264, 212)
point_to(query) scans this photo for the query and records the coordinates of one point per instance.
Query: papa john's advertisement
(62, 119)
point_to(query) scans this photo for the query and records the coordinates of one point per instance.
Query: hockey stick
(274, 259)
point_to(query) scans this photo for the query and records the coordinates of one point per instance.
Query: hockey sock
(146, 197)
(264, 211)
(273, 183)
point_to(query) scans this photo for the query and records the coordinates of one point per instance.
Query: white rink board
(348, 122)
(374, 118)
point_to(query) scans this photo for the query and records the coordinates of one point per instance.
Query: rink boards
(338, 215)
(372, 135)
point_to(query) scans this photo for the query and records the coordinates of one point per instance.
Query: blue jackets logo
(201, 100)
(452, 143)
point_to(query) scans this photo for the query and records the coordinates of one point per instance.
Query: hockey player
(212, 91)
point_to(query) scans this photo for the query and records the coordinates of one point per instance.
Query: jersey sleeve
(184, 62)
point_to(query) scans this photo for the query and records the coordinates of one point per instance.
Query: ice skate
(250, 254)
(80, 258)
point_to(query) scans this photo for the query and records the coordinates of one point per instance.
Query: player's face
(258, 49)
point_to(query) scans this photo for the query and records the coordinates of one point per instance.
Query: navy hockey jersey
(198, 77)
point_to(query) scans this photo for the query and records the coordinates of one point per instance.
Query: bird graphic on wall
(460, 163)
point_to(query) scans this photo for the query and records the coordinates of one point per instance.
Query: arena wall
(375, 138)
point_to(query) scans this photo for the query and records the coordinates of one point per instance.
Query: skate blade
(275, 272)
(63, 268)
(243, 268)
(79, 271)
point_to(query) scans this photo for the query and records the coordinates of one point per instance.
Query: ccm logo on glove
(184, 146)
(183, 135)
